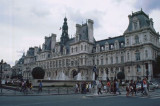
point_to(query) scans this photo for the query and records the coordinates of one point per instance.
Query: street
(82, 100)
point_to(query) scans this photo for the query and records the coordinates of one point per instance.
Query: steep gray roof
(142, 17)
(83, 32)
(111, 41)
(47, 43)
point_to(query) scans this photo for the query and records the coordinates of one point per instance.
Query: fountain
(62, 76)
(104, 77)
(79, 77)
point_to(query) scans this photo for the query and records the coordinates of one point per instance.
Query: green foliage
(121, 75)
(38, 73)
(156, 67)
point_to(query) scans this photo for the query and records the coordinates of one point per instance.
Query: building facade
(74, 58)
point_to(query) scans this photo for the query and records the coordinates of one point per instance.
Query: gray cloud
(148, 5)
(79, 17)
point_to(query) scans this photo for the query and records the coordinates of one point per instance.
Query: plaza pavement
(82, 100)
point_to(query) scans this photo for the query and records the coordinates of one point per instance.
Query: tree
(38, 73)
(121, 75)
(156, 68)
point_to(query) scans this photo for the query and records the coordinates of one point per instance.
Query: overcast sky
(25, 23)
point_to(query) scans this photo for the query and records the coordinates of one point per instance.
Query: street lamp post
(147, 73)
(107, 73)
(27, 70)
(1, 63)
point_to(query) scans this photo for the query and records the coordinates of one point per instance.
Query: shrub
(121, 75)
(38, 73)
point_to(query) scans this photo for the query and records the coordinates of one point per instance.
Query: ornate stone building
(74, 58)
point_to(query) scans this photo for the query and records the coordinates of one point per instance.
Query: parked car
(152, 86)
(156, 85)
(138, 86)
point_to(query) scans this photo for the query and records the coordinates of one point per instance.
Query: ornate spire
(64, 36)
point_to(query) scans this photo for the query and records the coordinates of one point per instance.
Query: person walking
(114, 87)
(76, 88)
(90, 87)
(127, 90)
(40, 86)
(117, 87)
(134, 87)
(108, 86)
(145, 86)
(99, 87)
(131, 86)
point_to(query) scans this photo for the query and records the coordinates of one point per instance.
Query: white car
(152, 86)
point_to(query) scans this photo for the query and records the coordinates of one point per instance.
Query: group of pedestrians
(83, 88)
(131, 88)
(109, 87)
(106, 87)
(25, 86)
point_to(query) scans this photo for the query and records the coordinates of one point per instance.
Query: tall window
(81, 47)
(112, 46)
(97, 61)
(76, 49)
(135, 25)
(137, 55)
(122, 59)
(60, 63)
(146, 53)
(127, 41)
(128, 55)
(72, 63)
(72, 49)
(102, 61)
(136, 39)
(85, 47)
(106, 60)
(145, 37)
(128, 69)
(111, 60)
(116, 59)
(138, 68)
